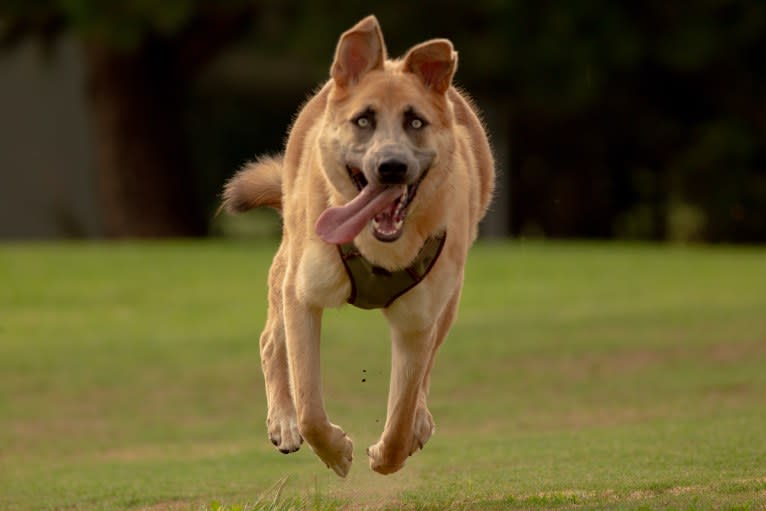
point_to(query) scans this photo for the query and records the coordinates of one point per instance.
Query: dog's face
(385, 131)
(387, 123)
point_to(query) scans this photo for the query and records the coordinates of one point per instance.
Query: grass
(578, 376)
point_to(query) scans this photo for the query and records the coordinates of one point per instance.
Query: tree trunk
(145, 182)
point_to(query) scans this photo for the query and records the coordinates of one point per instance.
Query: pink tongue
(342, 224)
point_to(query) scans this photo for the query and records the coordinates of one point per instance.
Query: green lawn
(578, 376)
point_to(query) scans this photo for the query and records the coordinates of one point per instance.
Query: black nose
(392, 172)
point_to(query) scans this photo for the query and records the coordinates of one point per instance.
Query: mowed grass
(577, 376)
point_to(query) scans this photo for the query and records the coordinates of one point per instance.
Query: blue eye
(363, 122)
(416, 124)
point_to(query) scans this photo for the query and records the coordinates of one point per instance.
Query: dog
(386, 173)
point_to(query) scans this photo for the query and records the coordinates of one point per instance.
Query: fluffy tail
(258, 183)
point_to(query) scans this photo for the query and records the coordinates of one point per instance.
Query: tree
(140, 58)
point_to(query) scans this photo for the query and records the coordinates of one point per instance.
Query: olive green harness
(373, 287)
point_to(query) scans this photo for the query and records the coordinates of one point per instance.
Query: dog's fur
(447, 153)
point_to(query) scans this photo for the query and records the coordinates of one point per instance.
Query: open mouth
(387, 225)
(382, 207)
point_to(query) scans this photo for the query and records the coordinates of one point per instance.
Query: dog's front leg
(302, 324)
(410, 357)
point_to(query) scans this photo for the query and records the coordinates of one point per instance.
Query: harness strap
(373, 287)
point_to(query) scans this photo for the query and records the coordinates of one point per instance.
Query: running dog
(386, 174)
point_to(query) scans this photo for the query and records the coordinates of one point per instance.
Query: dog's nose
(392, 171)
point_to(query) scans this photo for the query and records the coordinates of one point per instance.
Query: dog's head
(387, 125)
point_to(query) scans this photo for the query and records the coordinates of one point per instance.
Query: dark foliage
(611, 119)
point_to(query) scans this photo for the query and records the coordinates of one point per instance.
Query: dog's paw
(389, 457)
(284, 434)
(384, 459)
(335, 449)
(423, 428)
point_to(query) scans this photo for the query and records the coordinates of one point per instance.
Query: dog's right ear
(360, 50)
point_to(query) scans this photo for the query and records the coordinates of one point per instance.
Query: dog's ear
(360, 50)
(434, 62)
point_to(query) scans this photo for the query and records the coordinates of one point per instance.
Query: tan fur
(257, 183)
(307, 274)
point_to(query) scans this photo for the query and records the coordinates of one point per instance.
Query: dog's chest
(321, 279)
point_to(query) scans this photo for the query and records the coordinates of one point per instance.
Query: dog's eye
(364, 120)
(413, 121)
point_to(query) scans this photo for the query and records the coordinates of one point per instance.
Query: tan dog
(389, 156)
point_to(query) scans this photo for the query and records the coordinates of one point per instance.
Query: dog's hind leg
(424, 424)
(282, 422)
(443, 327)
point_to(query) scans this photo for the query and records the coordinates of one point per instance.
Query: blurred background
(630, 120)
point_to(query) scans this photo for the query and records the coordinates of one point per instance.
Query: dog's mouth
(383, 207)
(388, 224)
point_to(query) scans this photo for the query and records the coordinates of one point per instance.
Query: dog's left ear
(434, 62)
(360, 50)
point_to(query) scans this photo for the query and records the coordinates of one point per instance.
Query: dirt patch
(172, 505)
(731, 353)
(622, 362)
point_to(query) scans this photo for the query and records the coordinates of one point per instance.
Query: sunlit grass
(577, 376)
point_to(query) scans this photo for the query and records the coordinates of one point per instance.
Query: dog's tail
(258, 183)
